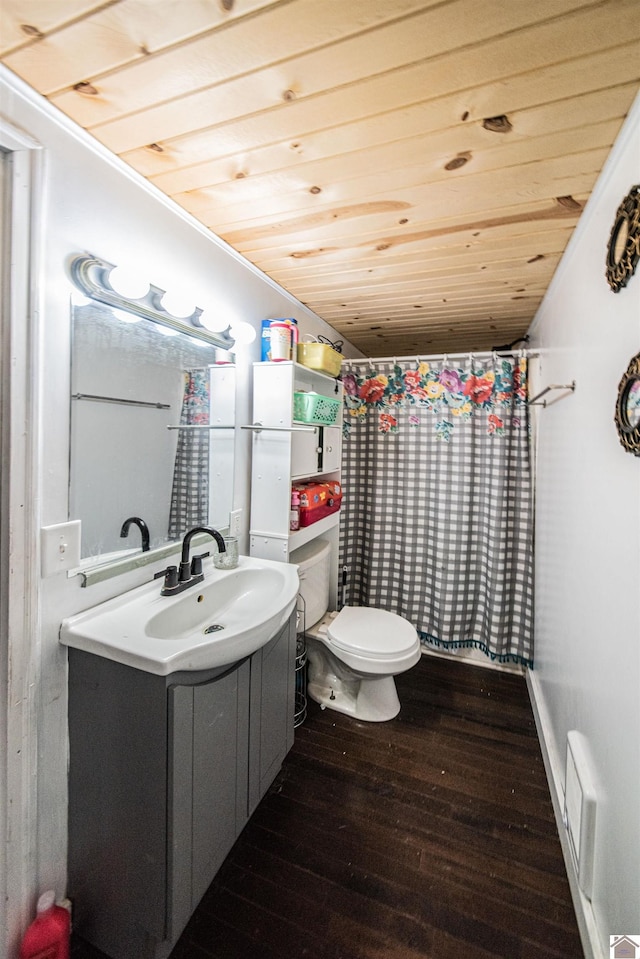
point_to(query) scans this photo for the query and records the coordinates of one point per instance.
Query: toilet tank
(314, 568)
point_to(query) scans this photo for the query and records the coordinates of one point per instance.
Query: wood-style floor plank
(428, 837)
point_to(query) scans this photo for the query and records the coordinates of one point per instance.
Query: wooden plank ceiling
(411, 170)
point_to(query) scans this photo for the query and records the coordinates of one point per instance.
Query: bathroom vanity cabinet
(165, 771)
(288, 451)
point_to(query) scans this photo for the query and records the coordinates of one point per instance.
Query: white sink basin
(165, 634)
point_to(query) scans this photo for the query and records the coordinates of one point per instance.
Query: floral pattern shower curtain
(190, 492)
(437, 521)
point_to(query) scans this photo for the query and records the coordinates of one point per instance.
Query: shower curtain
(437, 520)
(190, 491)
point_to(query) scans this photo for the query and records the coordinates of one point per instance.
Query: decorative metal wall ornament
(628, 408)
(623, 250)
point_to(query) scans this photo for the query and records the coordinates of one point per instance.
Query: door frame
(19, 524)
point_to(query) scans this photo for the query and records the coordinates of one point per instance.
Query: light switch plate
(60, 547)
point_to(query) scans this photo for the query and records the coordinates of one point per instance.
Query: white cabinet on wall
(287, 451)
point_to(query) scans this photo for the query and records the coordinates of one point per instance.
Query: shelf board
(307, 533)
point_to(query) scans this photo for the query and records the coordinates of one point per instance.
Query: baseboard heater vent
(580, 810)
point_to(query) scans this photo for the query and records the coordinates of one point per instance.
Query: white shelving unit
(287, 451)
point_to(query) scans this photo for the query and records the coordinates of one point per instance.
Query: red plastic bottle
(48, 935)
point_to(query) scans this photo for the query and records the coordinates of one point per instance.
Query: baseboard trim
(554, 766)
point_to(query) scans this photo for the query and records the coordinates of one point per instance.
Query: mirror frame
(628, 433)
(621, 268)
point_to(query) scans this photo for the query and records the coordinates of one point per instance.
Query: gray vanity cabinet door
(272, 709)
(209, 735)
(117, 805)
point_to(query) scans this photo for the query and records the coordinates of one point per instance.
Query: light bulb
(243, 333)
(127, 283)
(177, 304)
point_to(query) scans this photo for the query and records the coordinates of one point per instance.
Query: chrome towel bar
(554, 386)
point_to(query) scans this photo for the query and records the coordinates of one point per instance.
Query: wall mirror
(152, 431)
(627, 416)
(623, 249)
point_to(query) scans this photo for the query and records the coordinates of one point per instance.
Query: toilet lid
(363, 630)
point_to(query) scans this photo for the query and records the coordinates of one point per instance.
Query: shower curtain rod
(440, 356)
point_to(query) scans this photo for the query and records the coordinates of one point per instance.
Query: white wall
(91, 202)
(587, 645)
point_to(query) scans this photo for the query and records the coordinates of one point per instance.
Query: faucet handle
(170, 576)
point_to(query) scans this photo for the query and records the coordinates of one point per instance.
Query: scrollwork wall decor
(623, 250)
(628, 408)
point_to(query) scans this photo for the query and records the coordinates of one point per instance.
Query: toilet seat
(371, 633)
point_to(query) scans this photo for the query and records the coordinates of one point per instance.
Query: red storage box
(318, 500)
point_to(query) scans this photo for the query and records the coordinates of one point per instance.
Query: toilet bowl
(353, 654)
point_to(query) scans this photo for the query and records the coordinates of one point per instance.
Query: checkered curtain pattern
(190, 491)
(437, 519)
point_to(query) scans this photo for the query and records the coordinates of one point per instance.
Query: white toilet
(353, 654)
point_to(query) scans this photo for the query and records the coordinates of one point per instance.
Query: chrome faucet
(190, 572)
(142, 526)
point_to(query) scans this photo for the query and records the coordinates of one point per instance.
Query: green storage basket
(316, 408)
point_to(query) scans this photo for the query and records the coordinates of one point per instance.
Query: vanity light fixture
(92, 275)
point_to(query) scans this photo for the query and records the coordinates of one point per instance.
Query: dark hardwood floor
(428, 837)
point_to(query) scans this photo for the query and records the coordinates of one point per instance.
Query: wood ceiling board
(464, 316)
(392, 159)
(424, 281)
(598, 74)
(431, 346)
(428, 267)
(505, 332)
(471, 193)
(391, 302)
(491, 63)
(281, 28)
(434, 342)
(407, 229)
(447, 337)
(427, 275)
(234, 130)
(42, 16)
(341, 263)
(472, 315)
(431, 152)
(438, 305)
